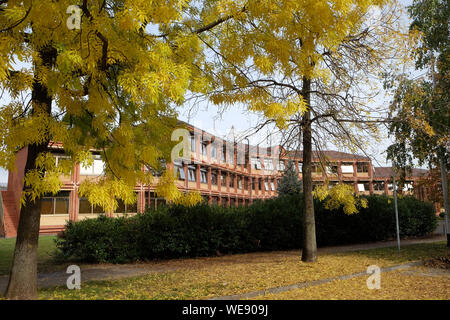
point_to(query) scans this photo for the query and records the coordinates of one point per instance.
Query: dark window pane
(85, 206)
(62, 205)
(132, 208)
(120, 206)
(98, 209)
(47, 206)
(161, 203)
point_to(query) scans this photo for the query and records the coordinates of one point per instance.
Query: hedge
(202, 230)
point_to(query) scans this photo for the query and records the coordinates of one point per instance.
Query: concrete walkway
(119, 271)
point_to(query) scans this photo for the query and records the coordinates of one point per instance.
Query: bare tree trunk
(442, 164)
(309, 252)
(23, 277)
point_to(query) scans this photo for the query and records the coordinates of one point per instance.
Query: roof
(329, 155)
(387, 172)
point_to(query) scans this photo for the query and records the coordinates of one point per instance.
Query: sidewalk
(118, 271)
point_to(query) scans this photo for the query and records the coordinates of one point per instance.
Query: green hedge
(203, 230)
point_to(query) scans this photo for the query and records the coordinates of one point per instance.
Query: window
(268, 164)
(224, 154)
(316, 185)
(58, 204)
(316, 168)
(224, 201)
(193, 142)
(85, 207)
(361, 187)
(408, 186)
(266, 185)
(256, 164)
(347, 167)
(213, 150)
(332, 169)
(281, 166)
(96, 168)
(204, 149)
(203, 176)
(239, 182)
(179, 172)
(157, 172)
(150, 203)
(272, 185)
(230, 155)
(231, 181)
(378, 186)
(192, 173)
(223, 179)
(245, 183)
(332, 184)
(122, 207)
(214, 178)
(300, 165)
(59, 157)
(362, 167)
(259, 184)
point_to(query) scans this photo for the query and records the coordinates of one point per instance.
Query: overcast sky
(207, 117)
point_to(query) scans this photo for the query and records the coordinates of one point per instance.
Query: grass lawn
(45, 250)
(204, 278)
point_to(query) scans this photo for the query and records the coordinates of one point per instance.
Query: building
(225, 173)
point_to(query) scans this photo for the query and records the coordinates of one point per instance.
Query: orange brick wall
(11, 197)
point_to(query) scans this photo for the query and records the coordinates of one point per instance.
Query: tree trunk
(309, 252)
(443, 165)
(23, 277)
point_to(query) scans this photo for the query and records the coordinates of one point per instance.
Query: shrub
(202, 230)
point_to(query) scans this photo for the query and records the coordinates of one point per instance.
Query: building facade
(223, 172)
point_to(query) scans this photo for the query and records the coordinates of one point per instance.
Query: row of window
(224, 155)
(97, 167)
(60, 204)
(241, 181)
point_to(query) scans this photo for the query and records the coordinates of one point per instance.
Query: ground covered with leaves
(204, 278)
(439, 262)
(413, 284)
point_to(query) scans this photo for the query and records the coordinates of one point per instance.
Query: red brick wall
(11, 197)
(2, 223)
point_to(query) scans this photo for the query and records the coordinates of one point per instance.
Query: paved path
(111, 271)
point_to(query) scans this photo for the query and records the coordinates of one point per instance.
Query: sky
(209, 118)
(221, 122)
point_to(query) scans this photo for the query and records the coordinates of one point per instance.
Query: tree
(289, 183)
(420, 111)
(104, 75)
(307, 66)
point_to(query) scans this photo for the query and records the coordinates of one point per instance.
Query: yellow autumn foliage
(340, 195)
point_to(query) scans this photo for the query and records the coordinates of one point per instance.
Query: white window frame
(268, 164)
(203, 173)
(91, 170)
(347, 168)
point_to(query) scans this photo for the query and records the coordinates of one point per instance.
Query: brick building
(224, 172)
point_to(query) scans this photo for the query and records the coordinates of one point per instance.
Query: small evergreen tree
(289, 183)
